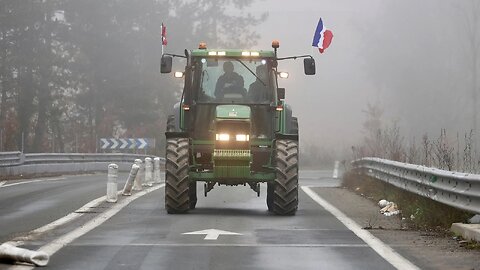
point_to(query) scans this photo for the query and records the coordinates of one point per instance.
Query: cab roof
(233, 53)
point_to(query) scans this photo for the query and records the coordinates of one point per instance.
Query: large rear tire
(177, 199)
(285, 186)
(270, 192)
(192, 194)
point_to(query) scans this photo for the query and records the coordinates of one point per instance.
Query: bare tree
(470, 13)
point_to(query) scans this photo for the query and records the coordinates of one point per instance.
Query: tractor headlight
(242, 138)
(222, 137)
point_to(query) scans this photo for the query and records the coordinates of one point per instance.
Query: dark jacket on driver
(229, 83)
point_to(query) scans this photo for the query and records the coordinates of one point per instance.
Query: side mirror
(281, 93)
(166, 64)
(309, 66)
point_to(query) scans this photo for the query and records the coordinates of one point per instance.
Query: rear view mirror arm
(295, 57)
(175, 55)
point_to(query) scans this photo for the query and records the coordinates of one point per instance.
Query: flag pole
(161, 33)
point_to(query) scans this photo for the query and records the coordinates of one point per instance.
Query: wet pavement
(143, 236)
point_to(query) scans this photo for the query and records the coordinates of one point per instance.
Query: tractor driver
(258, 90)
(230, 82)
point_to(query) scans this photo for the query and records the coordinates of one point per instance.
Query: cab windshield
(230, 80)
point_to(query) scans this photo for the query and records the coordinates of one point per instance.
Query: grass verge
(419, 212)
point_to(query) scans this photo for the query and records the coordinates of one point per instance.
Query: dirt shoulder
(428, 250)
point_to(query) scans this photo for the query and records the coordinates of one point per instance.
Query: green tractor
(232, 127)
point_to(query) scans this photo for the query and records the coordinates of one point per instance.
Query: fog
(412, 58)
(75, 71)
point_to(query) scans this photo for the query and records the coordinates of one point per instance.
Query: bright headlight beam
(242, 137)
(283, 75)
(222, 137)
(178, 74)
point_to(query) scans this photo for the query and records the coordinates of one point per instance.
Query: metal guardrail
(10, 158)
(460, 190)
(16, 163)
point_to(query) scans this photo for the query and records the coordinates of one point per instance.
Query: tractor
(232, 126)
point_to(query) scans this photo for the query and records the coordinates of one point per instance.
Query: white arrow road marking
(2, 183)
(124, 143)
(143, 143)
(212, 234)
(105, 143)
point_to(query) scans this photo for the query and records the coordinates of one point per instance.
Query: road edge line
(5, 185)
(57, 244)
(385, 251)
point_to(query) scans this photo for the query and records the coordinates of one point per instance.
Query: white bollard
(112, 195)
(335, 170)
(139, 178)
(148, 172)
(127, 189)
(38, 258)
(156, 171)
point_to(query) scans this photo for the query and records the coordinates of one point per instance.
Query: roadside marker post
(148, 172)
(156, 171)
(127, 189)
(138, 178)
(112, 176)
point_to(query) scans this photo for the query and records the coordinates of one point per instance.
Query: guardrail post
(139, 178)
(148, 172)
(156, 171)
(112, 176)
(127, 189)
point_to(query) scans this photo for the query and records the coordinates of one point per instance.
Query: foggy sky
(411, 57)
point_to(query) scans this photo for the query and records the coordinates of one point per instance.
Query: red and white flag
(164, 34)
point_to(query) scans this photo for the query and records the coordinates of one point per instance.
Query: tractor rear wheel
(285, 186)
(270, 192)
(192, 194)
(177, 199)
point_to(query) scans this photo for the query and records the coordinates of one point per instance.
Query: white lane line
(33, 181)
(224, 245)
(57, 244)
(2, 183)
(59, 222)
(54, 246)
(385, 251)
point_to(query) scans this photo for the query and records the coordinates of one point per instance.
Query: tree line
(72, 71)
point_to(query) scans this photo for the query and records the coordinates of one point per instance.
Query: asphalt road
(28, 204)
(143, 236)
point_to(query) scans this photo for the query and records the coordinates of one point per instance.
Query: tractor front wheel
(177, 195)
(285, 186)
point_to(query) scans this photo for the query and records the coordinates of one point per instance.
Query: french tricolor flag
(322, 37)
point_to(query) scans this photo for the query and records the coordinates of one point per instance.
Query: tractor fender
(175, 112)
(288, 118)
